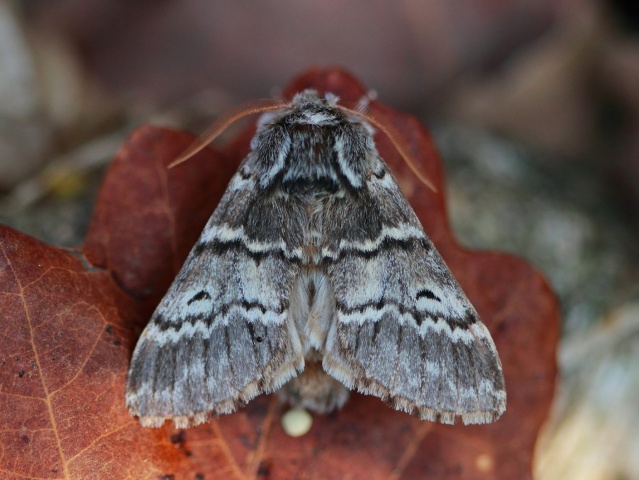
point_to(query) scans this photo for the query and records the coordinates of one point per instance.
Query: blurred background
(534, 107)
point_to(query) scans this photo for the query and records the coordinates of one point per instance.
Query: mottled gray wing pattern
(314, 251)
(222, 334)
(404, 330)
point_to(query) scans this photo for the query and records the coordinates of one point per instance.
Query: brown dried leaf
(69, 321)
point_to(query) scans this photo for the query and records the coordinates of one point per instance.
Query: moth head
(309, 107)
(311, 96)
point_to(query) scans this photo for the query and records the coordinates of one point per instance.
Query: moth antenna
(224, 121)
(363, 104)
(361, 110)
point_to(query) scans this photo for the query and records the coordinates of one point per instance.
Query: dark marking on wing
(201, 295)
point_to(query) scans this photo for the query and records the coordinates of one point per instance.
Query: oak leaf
(69, 320)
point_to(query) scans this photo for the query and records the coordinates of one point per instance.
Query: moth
(314, 277)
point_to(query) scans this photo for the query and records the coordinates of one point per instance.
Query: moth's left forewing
(222, 334)
(404, 330)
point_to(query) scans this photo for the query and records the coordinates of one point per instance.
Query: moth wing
(404, 330)
(221, 335)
